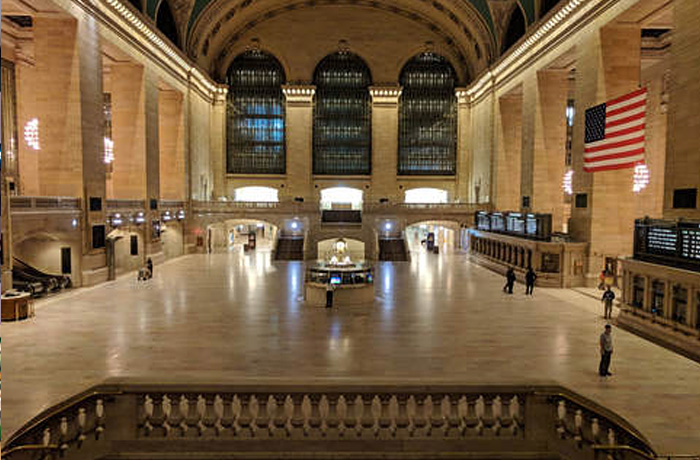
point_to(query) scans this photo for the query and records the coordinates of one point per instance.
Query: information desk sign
(667, 242)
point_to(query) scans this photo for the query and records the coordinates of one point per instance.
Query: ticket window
(638, 292)
(658, 295)
(679, 310)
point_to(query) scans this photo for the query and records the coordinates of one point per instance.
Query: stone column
(608, 66)
(508, 153)
(218, 144)
(544, 142)
(385, 138)
(6, 280)
(127, 89)
(299, 113)
(683, 142)
(464, 175)
(90, 94)
(171, 132)
(154, 248)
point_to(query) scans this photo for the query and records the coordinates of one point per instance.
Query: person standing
(606, 349)
(329, 295)
(607, 299)
(530, 278)
(149, 265)
(510, 281)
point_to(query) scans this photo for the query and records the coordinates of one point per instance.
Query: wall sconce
(116, 220)
(181, 214)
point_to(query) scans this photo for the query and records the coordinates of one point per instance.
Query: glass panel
(427, 117)
(255, 119)
(679, 312)
(638, 292)
(342, 116)
(657, 298)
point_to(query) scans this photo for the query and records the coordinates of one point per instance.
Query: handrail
(597, 409)
(40, 447)
(634, 450)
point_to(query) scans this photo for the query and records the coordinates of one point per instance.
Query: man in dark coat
(530, 278)
(510, 281)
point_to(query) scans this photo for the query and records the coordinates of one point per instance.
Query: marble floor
(233, 318)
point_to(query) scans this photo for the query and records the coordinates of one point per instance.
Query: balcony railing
(110, 419)
(44, 204)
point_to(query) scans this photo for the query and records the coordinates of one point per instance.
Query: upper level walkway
(232, 318)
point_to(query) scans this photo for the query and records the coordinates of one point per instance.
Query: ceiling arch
(216, 36)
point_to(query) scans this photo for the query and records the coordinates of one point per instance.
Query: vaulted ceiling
(470, 31)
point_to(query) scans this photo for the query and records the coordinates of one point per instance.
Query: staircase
(393, 249)
(290, 248)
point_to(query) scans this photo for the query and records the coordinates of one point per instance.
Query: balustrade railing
(44, 203)
(316, 417)
(125, 204)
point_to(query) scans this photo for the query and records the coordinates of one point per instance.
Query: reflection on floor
(232, 317)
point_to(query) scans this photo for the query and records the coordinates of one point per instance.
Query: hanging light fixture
(31, 133)
(109, 150)
(640, 178)
(568, 182)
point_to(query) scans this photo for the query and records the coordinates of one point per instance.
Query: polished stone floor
(232, 318)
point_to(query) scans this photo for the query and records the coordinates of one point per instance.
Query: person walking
(606, 349)
(329, 295)
(510, 281)
(530, 278)
(149, 265)
(607, 299)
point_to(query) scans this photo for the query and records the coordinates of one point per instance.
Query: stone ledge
(664, 336)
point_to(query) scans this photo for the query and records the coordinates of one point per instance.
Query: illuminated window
(267, 194)
(255, 115)
(427, 117)
(341, 196)
(426, 195)
(342, 116)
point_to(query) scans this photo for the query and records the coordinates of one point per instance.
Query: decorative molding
(299, 94)
(385, 95)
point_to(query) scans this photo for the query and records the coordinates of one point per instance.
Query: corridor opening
(241, 235)
(438, 237)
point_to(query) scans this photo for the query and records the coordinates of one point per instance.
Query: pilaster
(152, 99)
(385, 135)
(465, 171)
(299, 135)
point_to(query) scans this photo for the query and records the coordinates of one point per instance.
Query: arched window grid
(256, 115)
(427, 117)
(342, 139)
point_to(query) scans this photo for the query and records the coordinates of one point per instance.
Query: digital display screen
(531, 224)
(662, 240)
(690, 242)
(335, 279)
(668, 242)
(538, 226)
(497, 222)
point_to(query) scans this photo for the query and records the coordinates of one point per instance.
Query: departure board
(662, 241)
(690, 242)
(534, 226)
(673, 243)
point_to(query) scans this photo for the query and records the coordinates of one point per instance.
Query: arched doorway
(241, 235)
(433, 237)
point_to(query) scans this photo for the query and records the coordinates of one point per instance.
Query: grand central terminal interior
(351, 229)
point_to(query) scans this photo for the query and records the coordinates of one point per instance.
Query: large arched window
(255, 115)
(546, 6)
(342, 115)
(516, 28)
(427, 117)
(165, 21)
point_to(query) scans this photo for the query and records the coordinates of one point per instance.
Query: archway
(425, 195)
(424, 237)
(241, 235)
(341, 198)
(256, 194)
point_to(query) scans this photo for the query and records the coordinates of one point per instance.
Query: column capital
(299, 94)
(385, 94)
(462, 96)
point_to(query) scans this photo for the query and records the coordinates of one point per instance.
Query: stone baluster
(497, 412)
(219, 406)
(201, 414)
(463, 413)
(148, 409)
(271, 410)
(184, 411)
(324, 410)
(99, 418)
(306, 413)
(445, 412)
(167, 408)
(288, 414)
(480, 410)
(595, 430)
(561, 419)
(46, 438)
(236, 409)
(253, 411)
(341, 411)
(411, 414)
(428, 408)
(358, 411)
(578, 426)
(393, 414)
(82, 425)
(376, 411)
(611, 437)
(63, 435)
(514, 412)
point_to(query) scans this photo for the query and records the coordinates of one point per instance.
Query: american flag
(615, 133)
